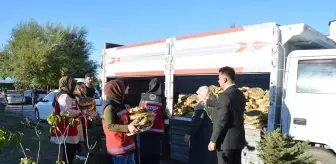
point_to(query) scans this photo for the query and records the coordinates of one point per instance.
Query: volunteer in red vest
(151, 140)
(65, 101)
(117, 125)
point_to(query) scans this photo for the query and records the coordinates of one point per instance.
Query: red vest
(156, 107)
(119, 142)
(72, 130)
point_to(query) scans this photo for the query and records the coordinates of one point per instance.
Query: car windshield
(50, 97)
(41, 92)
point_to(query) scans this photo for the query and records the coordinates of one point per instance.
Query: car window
(316, 76)
(14, 92)
(50, 97)
(41, 92)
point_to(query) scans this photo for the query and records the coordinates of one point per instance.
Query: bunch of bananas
(216, 90)
(257, 104)
(187, 105)
(144, 117)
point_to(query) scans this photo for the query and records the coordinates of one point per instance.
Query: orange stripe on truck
(140, 44)
(208, 71)
(218, 32)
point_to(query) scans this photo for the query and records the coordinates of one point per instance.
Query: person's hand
(212, 146)
(186, 138)
(131, 128)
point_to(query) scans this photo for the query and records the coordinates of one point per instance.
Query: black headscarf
(155, 87)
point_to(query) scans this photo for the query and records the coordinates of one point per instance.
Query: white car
(44, 107)
(15, 97)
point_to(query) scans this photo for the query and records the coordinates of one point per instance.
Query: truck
(296, 63)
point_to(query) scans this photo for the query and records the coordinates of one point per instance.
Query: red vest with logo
(72, 130)
(118, 142)
(153, 103)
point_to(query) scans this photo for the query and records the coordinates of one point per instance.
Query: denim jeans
(123, 159)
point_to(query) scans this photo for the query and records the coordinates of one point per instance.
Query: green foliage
(27, 161)
(278, 148)
(37, 55)
(54, 120)
(8, 139)
(4, 59)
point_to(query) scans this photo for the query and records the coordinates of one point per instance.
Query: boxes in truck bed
(180, 150)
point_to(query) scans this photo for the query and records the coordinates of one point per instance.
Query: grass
(49, 151)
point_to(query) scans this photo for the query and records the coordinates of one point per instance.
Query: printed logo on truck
(113, 60)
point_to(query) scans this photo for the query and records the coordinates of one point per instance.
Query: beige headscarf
(204, 94)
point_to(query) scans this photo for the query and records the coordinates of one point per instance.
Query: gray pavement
(22, 110)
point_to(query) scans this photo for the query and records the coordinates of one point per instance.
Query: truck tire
(322, 156)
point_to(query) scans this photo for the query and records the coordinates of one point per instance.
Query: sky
(134, 21)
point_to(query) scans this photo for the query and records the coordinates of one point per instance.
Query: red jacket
(153, 103)
(72, 130)
(118, 142)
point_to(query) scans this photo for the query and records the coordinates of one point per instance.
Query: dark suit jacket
(228, 128)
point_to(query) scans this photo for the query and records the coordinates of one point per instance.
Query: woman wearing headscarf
(125, 82)
(151, 141)
(79, 93)
(117, 125)
(200, 130)
(65, 102)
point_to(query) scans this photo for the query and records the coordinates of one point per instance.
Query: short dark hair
(88, 75)
(228, 71)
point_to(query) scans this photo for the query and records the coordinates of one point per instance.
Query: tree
(282, 148)
(4, 60)
(40, 54)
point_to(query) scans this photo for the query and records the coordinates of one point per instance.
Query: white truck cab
(308, 109)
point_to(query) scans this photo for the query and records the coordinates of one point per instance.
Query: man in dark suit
(228, 136)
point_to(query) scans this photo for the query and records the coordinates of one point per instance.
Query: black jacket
(200, 132)
(228, 129)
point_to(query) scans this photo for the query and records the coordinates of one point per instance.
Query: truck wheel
(322, 156)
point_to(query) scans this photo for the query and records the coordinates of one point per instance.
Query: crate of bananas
(257, 104)
(186, 106)
(143, 117)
